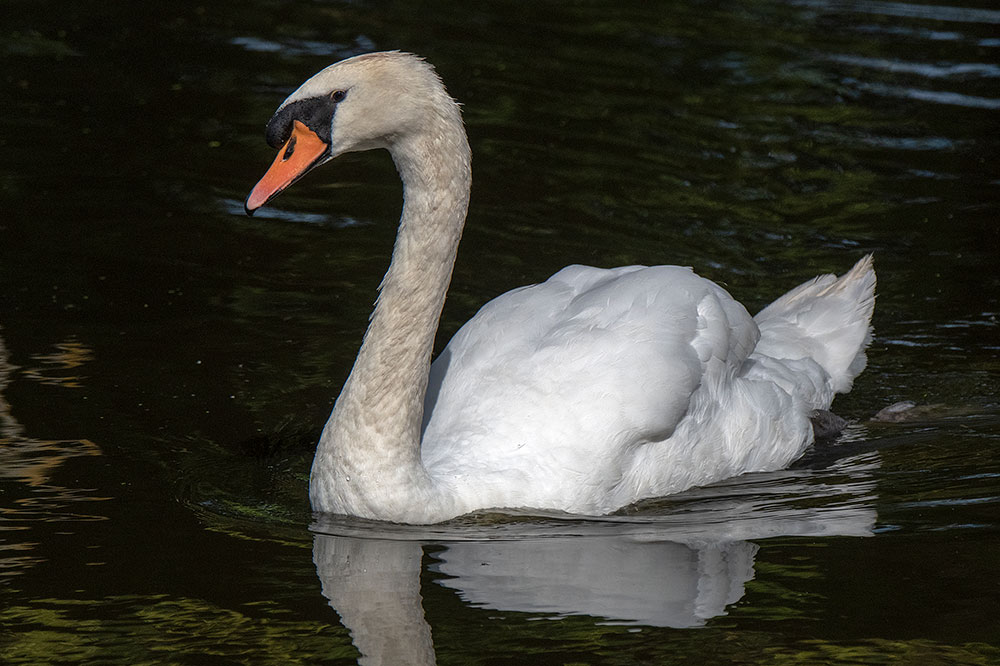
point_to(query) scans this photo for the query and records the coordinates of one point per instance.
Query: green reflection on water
(160, 630)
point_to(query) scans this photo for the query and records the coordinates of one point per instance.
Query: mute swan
(585, 393)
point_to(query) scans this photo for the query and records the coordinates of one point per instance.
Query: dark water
(166, 363)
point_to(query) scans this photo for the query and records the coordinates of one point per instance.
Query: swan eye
(339, 95)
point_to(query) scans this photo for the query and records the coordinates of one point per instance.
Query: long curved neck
(372, 441)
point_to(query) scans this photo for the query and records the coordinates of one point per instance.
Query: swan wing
(562, 381)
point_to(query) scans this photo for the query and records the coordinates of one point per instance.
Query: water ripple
(923, 69)
(298, 47)
(906, 10)
(234, 207)
(935, 96)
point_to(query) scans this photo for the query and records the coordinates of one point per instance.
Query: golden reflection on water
(69, 355)
(33, 462)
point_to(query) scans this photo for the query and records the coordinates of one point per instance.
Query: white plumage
(585, 393)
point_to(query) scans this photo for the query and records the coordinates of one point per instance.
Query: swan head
(375, 100)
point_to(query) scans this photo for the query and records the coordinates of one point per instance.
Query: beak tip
(303, 151)
(256, 199)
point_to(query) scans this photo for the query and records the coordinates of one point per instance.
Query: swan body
(584, 393)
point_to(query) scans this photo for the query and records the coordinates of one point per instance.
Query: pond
(167, 363)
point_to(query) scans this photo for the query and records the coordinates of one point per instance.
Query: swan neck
(373, 435)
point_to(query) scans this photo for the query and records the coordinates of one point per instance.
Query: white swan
(584, 393)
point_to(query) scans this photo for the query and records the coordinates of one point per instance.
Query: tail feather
(827, 319)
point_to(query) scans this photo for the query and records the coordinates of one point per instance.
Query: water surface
(166, 363)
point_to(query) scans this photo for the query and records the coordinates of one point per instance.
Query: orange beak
(303, 150)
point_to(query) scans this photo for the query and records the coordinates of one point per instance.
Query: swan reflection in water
(676, 563)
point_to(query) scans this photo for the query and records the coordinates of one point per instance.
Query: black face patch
(316, 113)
